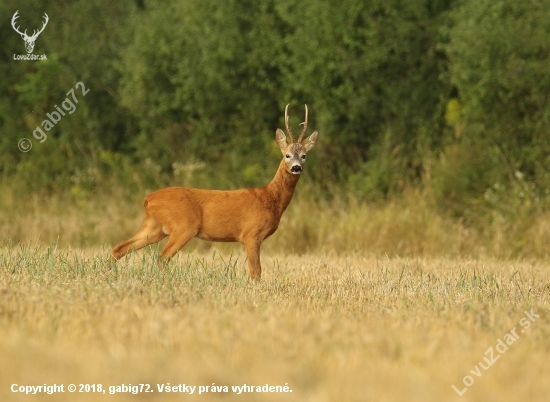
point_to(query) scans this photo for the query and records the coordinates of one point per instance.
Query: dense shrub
(446, 96)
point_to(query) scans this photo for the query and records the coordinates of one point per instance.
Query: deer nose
(296, 169)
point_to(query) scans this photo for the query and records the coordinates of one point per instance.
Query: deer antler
(288, 125)
(24, 34)
(35, 34)
(15, 16)
(304, 129)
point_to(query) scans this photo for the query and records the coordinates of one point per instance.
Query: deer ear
(309, 142)
(280, 138)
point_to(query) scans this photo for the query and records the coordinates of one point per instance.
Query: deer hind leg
(176, 241)
(253, 252)
(151, 232)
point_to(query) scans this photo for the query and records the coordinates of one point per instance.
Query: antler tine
(38, 32)
(46, 19)
(13, 21)
(304, 129)
(287, 125)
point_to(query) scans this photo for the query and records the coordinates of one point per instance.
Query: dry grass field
(331, 327)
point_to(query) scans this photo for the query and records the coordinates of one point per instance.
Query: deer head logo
(29, 40)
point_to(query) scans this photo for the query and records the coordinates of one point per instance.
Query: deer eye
(287, 156)
(303, 157)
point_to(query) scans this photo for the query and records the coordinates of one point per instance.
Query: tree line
(448, 96)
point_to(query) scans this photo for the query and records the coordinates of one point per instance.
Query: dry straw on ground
(332, 327)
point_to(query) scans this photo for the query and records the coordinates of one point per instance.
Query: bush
(498, 61)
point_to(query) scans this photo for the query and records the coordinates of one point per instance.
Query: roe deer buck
(247, 215)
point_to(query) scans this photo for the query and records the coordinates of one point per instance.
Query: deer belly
(221, 231)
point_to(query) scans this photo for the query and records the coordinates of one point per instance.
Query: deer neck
(282, 187)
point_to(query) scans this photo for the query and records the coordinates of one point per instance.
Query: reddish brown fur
(247, 216)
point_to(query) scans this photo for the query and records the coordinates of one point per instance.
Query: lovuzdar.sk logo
(29, 40)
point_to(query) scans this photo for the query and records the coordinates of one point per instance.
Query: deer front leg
(252, 247)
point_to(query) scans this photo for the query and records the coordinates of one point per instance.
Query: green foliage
(498, 62)
(78, 49)
(446, 96)
(200, 80)
(194, 97)
(372, 69)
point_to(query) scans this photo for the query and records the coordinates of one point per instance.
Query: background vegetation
(438, 106)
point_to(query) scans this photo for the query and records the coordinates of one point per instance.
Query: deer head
(29, 40)
(295, 152)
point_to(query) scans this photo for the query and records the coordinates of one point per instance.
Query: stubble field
(328, 327)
